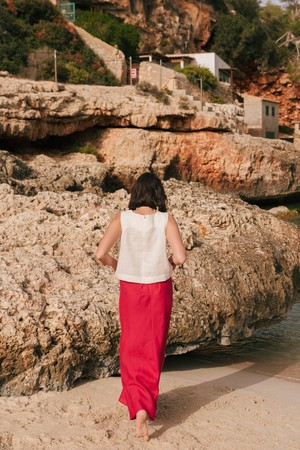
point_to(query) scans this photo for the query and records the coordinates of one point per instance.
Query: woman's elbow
(179, 259)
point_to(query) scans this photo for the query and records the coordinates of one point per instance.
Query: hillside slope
(30, 33)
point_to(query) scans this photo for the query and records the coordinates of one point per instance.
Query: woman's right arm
(174, 239)
(109, 239)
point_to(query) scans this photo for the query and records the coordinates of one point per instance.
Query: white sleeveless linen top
(143, 253)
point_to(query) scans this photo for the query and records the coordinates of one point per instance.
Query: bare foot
(142, 425)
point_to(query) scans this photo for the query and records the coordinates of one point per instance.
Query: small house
(261, 116)
(219, 68)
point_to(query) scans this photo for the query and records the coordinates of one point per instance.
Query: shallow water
(274, 351)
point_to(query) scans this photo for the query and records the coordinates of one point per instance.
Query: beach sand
(202, 405)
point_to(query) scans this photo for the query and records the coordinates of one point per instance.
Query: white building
(261, 116)
(219, 68)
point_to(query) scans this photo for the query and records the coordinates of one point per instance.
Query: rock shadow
(112, 183)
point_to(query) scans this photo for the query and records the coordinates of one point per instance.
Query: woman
(144, 271)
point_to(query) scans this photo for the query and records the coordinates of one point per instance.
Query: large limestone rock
(174, 138)
(59, 308)
(254, 168)
(74, 172)
(35, 110)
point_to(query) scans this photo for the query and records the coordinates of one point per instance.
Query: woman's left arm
(109, 239)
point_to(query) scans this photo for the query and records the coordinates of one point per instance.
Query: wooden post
(201, 93)
(160, 74)
(55, 66)
(130, 70)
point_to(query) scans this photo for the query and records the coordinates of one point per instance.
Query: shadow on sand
(194, 397)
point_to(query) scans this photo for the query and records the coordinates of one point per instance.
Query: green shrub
(37, 26)
(53, 35)
(217, 99)
(293, 70)
(195, 73)
(146, 88)
(76, 75)
(34, 11)
(15, 38)
(110, 30)
(87, 149)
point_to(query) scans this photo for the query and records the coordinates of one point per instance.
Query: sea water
(273, 351)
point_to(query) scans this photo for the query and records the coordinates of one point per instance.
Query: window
(273, 111)
(267, 110)
(224, 77)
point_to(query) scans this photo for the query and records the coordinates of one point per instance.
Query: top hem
(143, 280)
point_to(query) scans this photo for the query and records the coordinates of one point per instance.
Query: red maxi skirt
(145, 311)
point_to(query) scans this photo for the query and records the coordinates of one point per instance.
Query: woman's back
(143, 255)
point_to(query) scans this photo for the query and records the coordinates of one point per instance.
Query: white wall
(270, 122)
(211, 61)
(258, 122)
(163, 77)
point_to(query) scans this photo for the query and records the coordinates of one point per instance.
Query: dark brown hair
(148, 191)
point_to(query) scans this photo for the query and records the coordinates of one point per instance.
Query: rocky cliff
(277, 85)
(35, 110)
(137, 131)
(165, 26)
(59, 308)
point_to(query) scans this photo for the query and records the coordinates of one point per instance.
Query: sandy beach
(202, 405)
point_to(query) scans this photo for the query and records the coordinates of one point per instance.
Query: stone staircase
(232, 114)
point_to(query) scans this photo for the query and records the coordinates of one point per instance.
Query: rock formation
(255, 168)
(277, 85)
(74, 172)
(34, 110)
(171, 136)
(59, 308)
(165, 26)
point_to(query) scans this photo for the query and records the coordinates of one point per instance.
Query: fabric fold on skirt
(145, 311)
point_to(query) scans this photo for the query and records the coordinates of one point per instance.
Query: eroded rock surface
(164, 26)
(59, 308)
(254, 168)
(74, 172)
(34, 110)
(139, 132)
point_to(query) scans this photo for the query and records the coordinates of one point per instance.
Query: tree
(246, 8)
(239, 41)
(274, 20)
(291, 36)
(293, 5)
(33, 11)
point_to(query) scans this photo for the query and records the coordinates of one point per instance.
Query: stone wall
(113, 58)
(297, 136)
(166, 78)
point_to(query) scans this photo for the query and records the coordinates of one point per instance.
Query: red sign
(133, 73)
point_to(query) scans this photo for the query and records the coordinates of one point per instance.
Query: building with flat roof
(261, 116)
(219, 68)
